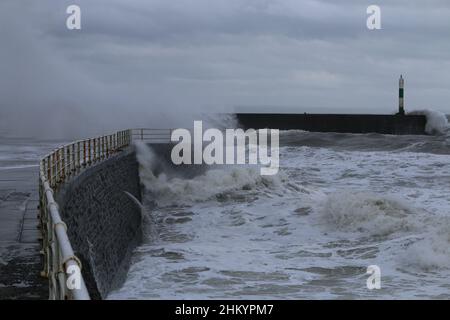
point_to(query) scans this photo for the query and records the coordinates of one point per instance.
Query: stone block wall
(104, 223)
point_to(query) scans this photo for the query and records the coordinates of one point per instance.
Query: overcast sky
(145, 62)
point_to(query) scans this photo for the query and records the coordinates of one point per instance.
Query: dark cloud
(155, 63)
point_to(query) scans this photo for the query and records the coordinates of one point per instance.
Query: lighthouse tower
(401, 109)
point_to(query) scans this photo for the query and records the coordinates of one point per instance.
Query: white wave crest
(207, 186)
(432, 252)
(373, 214)
(437, 122)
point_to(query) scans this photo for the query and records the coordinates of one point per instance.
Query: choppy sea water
(340, 203)
(17, 153)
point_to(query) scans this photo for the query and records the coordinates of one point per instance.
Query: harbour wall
(343, 123)
(104, 223)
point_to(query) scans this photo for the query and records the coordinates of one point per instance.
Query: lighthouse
(401, 85)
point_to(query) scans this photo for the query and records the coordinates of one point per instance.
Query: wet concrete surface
(20, 261)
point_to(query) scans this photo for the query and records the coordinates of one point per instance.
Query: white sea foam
(373, 214)
(433, 251)
(213, 183)
(437, 122)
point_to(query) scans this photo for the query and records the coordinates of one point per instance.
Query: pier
(20, 259)
(342, 123)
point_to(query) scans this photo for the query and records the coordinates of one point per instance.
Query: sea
(340, 205)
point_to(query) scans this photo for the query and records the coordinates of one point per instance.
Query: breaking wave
(217, 183)
(432, 251)
(373, 214)
(421, 242)
(437, 122)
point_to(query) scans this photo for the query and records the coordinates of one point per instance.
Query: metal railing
(70, 159)
(55, 169)
(151, 135)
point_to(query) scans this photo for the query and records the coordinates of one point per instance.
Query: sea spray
(148, 221)
(214, 184)
(432, 252)
(437, 122)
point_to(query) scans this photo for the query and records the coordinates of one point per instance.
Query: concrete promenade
(20, 262)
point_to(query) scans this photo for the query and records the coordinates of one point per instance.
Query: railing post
(89, 152)
(103, 147)
(142, 134)
(73, 159)
(94, 149)
(107, 146)
(69, 163)
(99, 148)
(58, 167)
(49, 171)
(63, 163)
(78, 156)
(54, 169)
(84, 153)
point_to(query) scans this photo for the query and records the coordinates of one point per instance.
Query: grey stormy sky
(157, 62)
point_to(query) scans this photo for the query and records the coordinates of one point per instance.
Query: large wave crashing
(215, 183)
(437, 122)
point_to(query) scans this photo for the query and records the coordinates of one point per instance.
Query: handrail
(153, 135)
(54, 170)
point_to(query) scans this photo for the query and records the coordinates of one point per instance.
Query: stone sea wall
(104, 222)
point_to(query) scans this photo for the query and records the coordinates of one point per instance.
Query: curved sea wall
(104, 222)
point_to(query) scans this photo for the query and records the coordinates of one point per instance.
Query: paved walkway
(20, 262)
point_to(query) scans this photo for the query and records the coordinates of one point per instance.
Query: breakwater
(342, 123)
